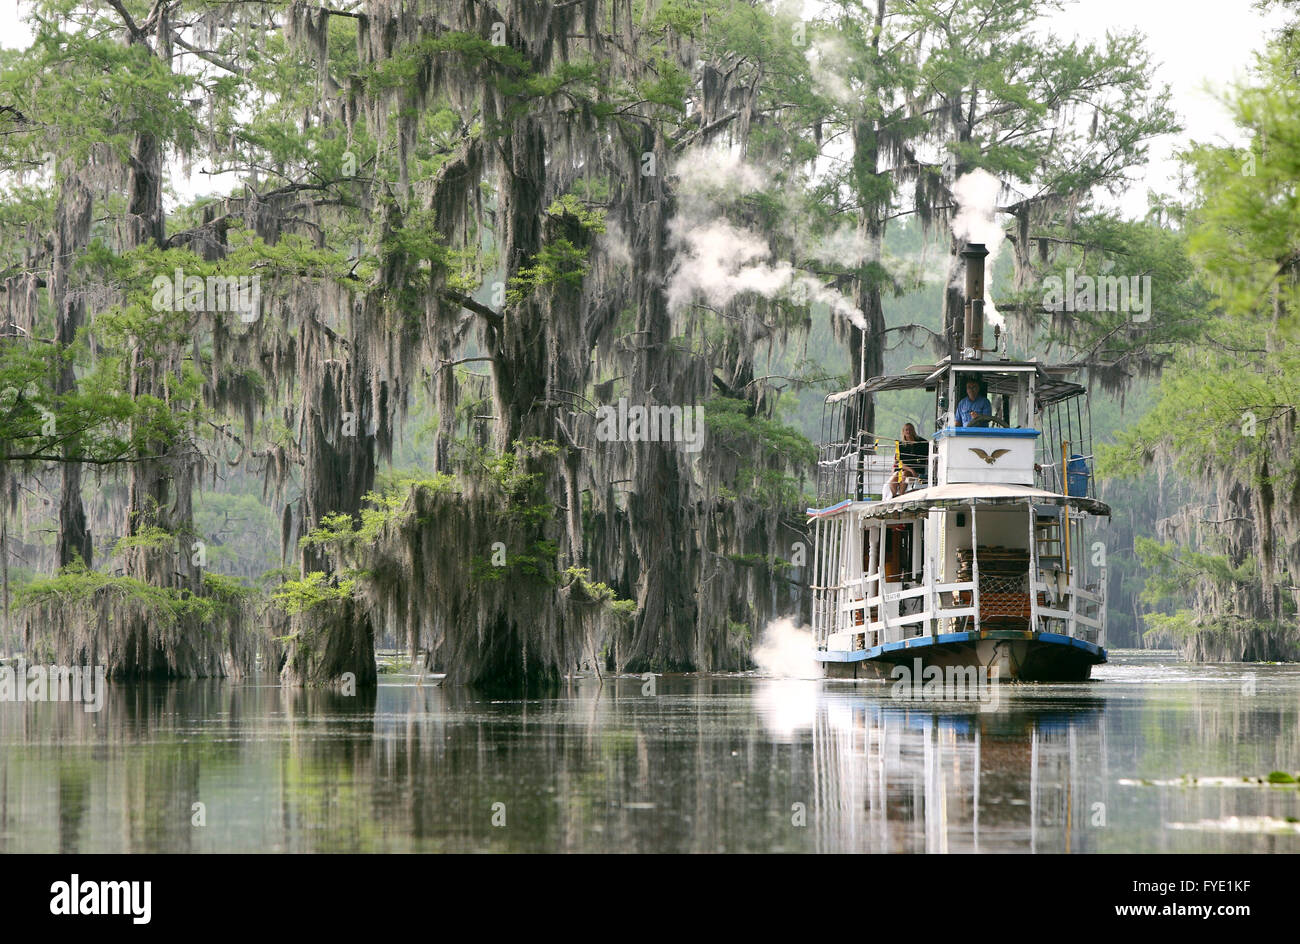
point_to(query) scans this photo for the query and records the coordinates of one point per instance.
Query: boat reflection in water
(918, 775)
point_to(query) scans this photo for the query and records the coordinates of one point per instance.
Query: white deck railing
(849, 607)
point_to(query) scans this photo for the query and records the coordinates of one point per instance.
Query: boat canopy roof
(1050, 383)
(964, 495)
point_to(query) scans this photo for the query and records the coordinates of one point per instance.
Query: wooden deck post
(1033, 568)
(836, 581)
(880, 580)
(819, 597)
(931, 572)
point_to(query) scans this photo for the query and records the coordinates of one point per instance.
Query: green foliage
(571, 205)
(90, 91)
(1225, 404)
(559, 262)
(1178, 625)
(405, 67)
(521, 476)
(668, 88)
(152, 538)
(77, 586)
(1219, 405)
(93, 420)
(1246, 230)
(580, 577)
(771, 457)
(341, 533)
(733, 420)
(1174, 574)
(229, 590)
(1173, 570)
(537, 562)
(315, 589)
(1102, 246)
(738, 631)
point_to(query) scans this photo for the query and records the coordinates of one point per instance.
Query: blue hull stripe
(950, 639)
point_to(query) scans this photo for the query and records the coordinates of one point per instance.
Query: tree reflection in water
(697, 764)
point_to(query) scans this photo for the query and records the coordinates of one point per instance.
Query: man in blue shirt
(974, 410)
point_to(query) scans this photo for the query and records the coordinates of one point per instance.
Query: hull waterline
(1015, 655)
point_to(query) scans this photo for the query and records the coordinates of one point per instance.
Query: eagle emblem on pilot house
(990, 457)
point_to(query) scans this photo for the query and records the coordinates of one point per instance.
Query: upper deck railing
(862, 470)
(1038, 431)
(857, 470)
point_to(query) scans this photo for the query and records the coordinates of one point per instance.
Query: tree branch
(469, 304)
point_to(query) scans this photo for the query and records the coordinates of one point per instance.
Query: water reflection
(900, 777)
(705, 764)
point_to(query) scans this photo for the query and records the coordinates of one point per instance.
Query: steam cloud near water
(785, 650)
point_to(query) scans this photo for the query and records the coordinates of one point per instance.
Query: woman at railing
(911, 462)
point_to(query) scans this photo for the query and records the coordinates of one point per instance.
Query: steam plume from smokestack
(976, 195)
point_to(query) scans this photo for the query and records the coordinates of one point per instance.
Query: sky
(1199, 47)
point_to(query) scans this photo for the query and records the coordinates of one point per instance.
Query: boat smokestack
(974, 255)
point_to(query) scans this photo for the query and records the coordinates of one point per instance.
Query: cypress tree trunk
(663, 531)
(71, 229)
(160, 487)
(522, 403)
(339, 470)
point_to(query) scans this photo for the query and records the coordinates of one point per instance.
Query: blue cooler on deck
(1077, 476)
